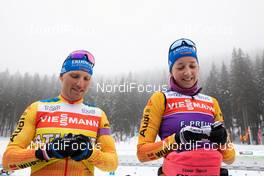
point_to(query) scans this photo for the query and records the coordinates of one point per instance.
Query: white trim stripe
(187, 112)
(200, 97)
(71, 108)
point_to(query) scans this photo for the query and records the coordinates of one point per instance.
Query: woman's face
(185, 71)
(75, 84)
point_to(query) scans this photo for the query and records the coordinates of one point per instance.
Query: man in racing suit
(64, 136)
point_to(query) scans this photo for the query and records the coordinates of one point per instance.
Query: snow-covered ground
(249, 161)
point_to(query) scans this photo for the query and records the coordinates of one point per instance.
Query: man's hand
(58, 148)
(81, 148)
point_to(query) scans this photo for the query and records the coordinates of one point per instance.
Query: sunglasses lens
(80, 54)
(77, 55)
(176, 44)
(90, 58)
(182, 42)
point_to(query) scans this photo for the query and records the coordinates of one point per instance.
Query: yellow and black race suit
(46, 120)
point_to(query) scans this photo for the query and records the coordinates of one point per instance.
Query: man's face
(75, 84)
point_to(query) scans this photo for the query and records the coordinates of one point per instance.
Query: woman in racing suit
(182, 114)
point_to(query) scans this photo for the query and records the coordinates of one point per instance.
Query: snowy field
(249, 161)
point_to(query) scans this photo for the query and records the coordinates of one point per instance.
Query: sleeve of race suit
(227, 150)
(147, 148)
(17, 154)
(104, 156)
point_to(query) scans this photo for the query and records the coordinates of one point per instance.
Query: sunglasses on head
(182, 42)
(80, 54)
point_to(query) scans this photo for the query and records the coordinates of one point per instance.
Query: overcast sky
(36, 36)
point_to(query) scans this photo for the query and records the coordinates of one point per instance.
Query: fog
(123, 35)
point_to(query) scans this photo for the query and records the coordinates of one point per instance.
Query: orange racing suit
(45, 120)
(166, 113)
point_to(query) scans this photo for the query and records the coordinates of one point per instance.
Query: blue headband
(73, 64)
(181, 51)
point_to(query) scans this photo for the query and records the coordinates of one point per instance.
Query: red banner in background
(259, 136)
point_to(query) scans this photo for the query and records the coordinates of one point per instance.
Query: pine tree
(243, 90)
(261, 86)
(211, 85)
(225, 95)
(258, 81)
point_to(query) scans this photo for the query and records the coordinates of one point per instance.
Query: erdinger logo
(77, 62)
(87, 111)
(175, 94)
(51, 107)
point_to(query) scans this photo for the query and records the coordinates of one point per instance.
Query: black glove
(218, 133)
(81, 148)
(58, 148)
(223, 172)
(190, 134)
